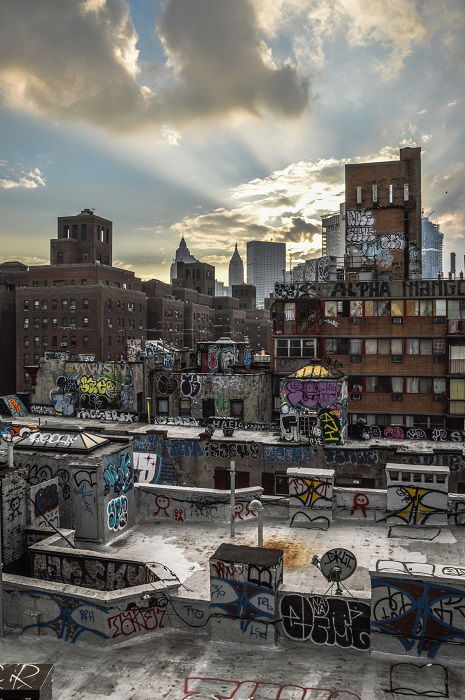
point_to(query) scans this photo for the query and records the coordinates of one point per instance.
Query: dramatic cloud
(78, 60)
(12, 177)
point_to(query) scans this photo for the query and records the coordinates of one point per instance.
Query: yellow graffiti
(415, 511)
(312, 490)
(102, 385)
(331, 428)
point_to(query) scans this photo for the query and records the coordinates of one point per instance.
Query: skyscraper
(236, 268)
(182, 255)
(266, 263)
(431, 249)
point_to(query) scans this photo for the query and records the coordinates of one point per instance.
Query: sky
(223, 120)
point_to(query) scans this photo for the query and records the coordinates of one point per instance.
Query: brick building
(84, 238)
(165, 313)
(383, 218)
(401, 344)
(196, 275)
(246, 293)
(230, 320)
(10, 275)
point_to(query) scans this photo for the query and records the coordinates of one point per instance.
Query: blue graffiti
(84, 494)
(117, 510)
(287, 455)
(242, 600)
(417, 612)
(120, 476)
(64, 625)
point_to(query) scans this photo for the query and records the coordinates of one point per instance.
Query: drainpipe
(232, 473)
(256, 506)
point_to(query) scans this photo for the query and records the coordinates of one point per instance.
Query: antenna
(336, 565)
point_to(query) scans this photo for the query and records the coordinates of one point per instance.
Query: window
(356, 308)
(380, 385)
(413, 307)
(44, 341)
(36, 305)
(162, 407)
(236, 408)
(26, 341)
(109, 340)
(355, 346)
(72, 304)
(85, 340)
(44, 322)
(64, 303)
(439, 385)
(109, 323)
(185, 408)
(289, 312)
(26, 305)
(397, 307)
(426, 346)
(426, 307)
(85, 321)
(59, 258)
(281, 484)
(413, 346)
(397, 346)
(26, 323)
(331, 346)
(380, 346)
(457, 389)
(54, 341)
(331, 309)
(397, 385)
(439, 346)
(296, 347)
(37, 323)
(44, 306)
(54, 304)
(359, 195)
(412, 385)
(440, 307)
(83, 281)
(36, 340)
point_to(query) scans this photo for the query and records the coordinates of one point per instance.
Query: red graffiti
(241, 514)
(223, 570)
(360, 502)
(162, 503)
(178, 515)
(221, 689)
(16, 433)
(136, 620)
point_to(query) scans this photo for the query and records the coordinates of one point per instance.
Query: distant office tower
(182, 255)
(431, 249)
(332, 235)
(266, 263)
(236, 269)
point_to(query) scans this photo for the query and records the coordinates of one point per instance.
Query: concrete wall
(253, 389)
(324, 620)
(359, 504)
(89, 389)
(14, 510)
(178, 504)
(417, 609)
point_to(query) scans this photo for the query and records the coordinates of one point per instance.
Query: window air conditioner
(397, 397)
(396, 358)
(356, 397)
(397, 319)
(439, 319)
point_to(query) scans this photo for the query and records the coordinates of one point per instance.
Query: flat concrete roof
(311, 472)
(417, 468)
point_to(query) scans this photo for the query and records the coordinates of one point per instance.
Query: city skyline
(241, 155)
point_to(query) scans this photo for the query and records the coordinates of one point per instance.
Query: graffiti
(218, 688)
(102, 385)
(248, 357)
(393, 432)
(309, 491)
(421, 615)
(420, 680)
(242, 600)
(359, 223)
(83, 493)
(310, 394)
(229, 422)
(14, 406)
(361, 502)
(118, 416)
(18, 677)
(322, 620)
(355, 457)
(405, 567)
(287, 455)
(231, 450)
(120, 476)
(221, 403)
(195, 613)
(117, 510)
(212, 358)
(14, 507)
(414, 262)
(190, 385)
(242, 511)
(166, 385)
(52, 439)
(64, 624)
(46, 506)
(147, 467)
(101, 574)
(330, 426)
(228, 358)
(417, 504)
(39, 410)
(178, 420)
(162, 503)
(16, 433)
(36, 474)
(85, 483)
(50, 355)
(135, 621)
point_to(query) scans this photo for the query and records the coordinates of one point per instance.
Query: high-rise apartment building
(431, 249)
(266, 263)
(332, 234)
(383, 218)
(236, 269)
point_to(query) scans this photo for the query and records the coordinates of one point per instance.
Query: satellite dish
(336, 565)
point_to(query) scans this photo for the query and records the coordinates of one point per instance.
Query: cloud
(18, 177)
(78, 60)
